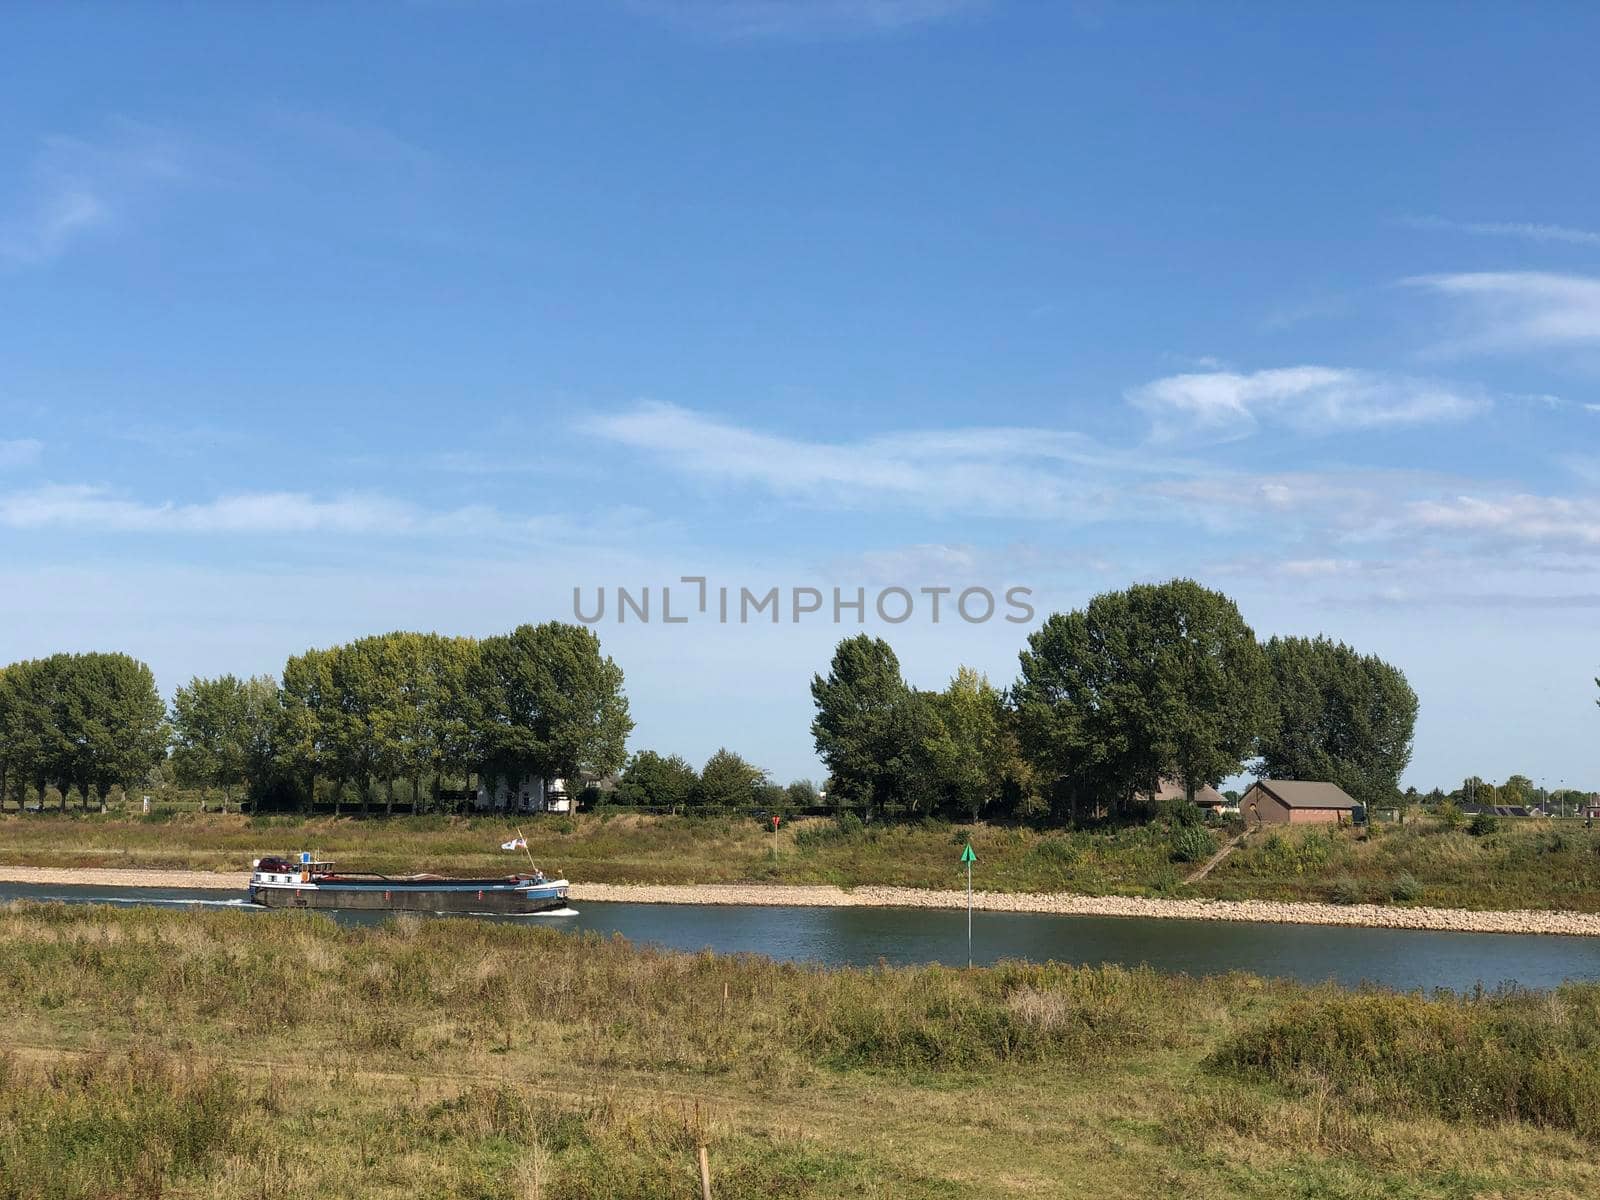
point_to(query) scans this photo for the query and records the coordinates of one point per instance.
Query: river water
(1397, 958)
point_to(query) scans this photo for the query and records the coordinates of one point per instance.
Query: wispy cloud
(20, 452)
(350, 139)
(1527, 230)
(98, 510)
(76, 186)
(998, 470)
(739, 20)
(1540, 520)
(1519, 310)
(1310, 399)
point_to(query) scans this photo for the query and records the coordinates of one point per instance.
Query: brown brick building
(1295, 802)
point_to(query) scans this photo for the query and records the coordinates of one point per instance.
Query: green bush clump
(846, 827)
(1057, 850)
(113, 1125)
(1347, 891)
(1178, 811)
(1192, 843)
(1482, 824)
(1407, 887)
(1506, 1056)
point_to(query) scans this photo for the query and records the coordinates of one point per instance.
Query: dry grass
(1525, 864)
(229, 1055)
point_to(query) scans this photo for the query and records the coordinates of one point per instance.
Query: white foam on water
(551, 912)
(173, 900)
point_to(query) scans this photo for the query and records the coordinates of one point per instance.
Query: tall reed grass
(1506, 1056)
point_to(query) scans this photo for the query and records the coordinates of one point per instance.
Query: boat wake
(552, 912)
(181, 901)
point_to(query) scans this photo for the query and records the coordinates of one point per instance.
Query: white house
(531, 793)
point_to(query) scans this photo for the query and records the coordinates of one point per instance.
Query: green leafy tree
(225, 732)
(114, 722)
(727, 781)
(208, 728)
(868, 728)
(547, 703)
(1339, 716)
(1519, 789)
(968, 746)
(364, 683)
(305, 719)
(663, 781)
(803, 793)
(1160, 680)
(36, 748)
(449, 708)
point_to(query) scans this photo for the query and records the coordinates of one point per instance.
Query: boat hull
(455, 899)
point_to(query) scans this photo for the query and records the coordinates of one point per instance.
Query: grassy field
(1526, 864)
(150, 1053)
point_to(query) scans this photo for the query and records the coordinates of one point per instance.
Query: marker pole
(969, 913)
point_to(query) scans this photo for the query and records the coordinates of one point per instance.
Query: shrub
(1178, 812)
(1512, 1055)
(1192, 843)
(1450, 815)
(1058, 850)
(1407, 887)
(845, 828)
(1482, 824)
(1347, 891)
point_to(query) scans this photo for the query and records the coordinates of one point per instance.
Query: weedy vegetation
(221, 1054)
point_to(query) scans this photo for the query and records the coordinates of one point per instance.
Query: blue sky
(381, 316)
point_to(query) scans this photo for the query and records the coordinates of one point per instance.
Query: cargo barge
(280, 883)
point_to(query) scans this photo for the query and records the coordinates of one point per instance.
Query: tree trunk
(388, 804)
(416, 794)
(311, 794)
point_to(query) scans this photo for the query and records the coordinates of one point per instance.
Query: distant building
(1295, 802)
(1205, 796)
(1501, 810)
(528, 794)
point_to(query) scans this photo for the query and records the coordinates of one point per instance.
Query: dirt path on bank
(1275, 912)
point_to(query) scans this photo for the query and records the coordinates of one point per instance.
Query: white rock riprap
(1066, 903)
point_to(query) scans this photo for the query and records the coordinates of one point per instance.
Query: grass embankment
(228, 1054)
(1525, 864)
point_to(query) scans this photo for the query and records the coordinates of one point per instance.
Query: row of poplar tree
(419, 709)
(1157, 682)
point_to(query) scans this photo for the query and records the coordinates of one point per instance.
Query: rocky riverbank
(1381, 916)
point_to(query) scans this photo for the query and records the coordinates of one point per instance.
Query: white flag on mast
(515, 844)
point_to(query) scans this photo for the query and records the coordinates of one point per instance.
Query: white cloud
(351, 140)
(1310, 399)
(20, 452)
(1541, 520)
(738, 20)
(1311, 567)
(1527, 230)
(1517, 310)
(96, 510)
(998, 470)
(76, 186)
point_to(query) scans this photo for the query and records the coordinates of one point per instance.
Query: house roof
(1172, 789)
(1303, 793)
